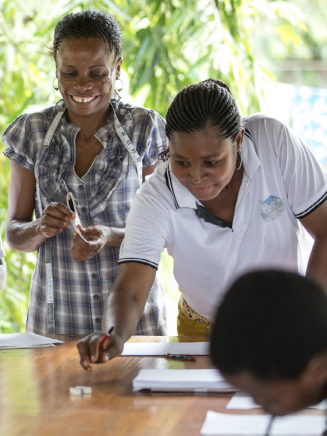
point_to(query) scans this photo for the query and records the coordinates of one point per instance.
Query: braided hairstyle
(88, 24)
(205, 104)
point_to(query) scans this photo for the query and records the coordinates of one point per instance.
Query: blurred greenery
(168, 44)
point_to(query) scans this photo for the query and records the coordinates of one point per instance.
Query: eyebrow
(204, 157)
(94, 66)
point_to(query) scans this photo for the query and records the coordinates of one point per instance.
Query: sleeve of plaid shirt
(23, 138)
(152, 138)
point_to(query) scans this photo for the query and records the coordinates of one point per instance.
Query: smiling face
(203, 161)
(281, 397)
(86, 71)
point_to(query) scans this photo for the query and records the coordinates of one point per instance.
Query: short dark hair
(88, 24)
(204, 104)
(270, 324)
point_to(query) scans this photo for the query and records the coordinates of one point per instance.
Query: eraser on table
(75, 391)
(85, 389)
(80, 390)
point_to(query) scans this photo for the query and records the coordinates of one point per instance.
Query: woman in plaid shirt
(84, 156)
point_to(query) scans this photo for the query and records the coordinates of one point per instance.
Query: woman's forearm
(115, 237)
(23, 236)
(122, 312)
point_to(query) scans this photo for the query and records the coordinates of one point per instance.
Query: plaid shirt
(103, 195)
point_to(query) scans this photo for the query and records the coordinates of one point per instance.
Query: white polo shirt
(282, 182)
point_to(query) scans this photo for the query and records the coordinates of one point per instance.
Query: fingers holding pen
(91, 352)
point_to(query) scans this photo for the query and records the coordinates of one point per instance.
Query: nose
(196, 175)
(83, 84)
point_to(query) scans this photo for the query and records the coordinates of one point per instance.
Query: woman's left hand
(95, 237)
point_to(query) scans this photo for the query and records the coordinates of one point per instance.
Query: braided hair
(205, 104)
(88, 24)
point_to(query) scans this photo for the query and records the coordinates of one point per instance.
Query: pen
(270, 425)
(106, 337)
(179, 356)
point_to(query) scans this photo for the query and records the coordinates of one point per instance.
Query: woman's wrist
(115, 236)
(23, 236)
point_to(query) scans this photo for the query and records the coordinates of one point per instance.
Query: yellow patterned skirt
(190, 323)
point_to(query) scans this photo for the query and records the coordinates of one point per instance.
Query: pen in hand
(103, 340)
(270, 425)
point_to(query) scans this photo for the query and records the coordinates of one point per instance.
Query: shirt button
(98, 320)
(96, 296)
(83, 209)
(81, 187)
(94, 276)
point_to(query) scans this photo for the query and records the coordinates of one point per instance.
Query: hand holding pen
(106, 337)
(99, 348)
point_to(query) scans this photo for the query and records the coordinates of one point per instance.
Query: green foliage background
(168, 44)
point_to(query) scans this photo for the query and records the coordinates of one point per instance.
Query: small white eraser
(75, 391)
(85, 389)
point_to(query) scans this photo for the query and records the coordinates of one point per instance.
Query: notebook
(181, 380)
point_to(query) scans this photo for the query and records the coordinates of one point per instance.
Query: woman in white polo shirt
(233, 195)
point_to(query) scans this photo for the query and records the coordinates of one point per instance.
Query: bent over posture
(233, 194)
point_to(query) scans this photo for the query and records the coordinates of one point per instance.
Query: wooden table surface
(35, 400)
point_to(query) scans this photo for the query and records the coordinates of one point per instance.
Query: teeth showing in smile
(83, 99)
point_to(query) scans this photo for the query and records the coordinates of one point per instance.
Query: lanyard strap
(48, 264)
(129, 147)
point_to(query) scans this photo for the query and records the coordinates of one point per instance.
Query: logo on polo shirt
(271, 208)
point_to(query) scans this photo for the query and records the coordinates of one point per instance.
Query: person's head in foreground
(270, 340)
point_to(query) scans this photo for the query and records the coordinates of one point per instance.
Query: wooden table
(35, 400)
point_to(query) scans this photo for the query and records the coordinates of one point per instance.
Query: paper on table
(161, 348)
(12, 340)
(242, 401)
(256, 425)
(187, 380)
(19, 347)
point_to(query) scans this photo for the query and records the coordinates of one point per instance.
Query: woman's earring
(122, 85)
(239, 167)
(54, 86)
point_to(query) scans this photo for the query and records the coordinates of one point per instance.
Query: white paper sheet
(242, 401)
(256, 425)
(181, 380)
(161, 348)
(20, 340)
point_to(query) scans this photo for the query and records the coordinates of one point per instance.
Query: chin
(204, 197)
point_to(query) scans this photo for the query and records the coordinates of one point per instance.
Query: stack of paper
(162, 348)
(181, 380)
(241, 401)
(25, 340)
(256, 425)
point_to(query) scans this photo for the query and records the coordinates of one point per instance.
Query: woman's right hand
(89, 352)
(54, 218)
